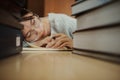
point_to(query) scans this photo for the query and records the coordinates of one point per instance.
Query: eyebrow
(27, 18)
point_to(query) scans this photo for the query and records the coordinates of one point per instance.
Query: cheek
(26, 24)
(25, 30)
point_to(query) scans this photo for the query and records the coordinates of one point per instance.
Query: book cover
(86, 5)
(106, 39)
(109, 14)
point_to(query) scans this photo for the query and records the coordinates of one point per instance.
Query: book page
(45, 49)
(37, 48)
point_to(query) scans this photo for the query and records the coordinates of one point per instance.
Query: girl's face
(35, 28)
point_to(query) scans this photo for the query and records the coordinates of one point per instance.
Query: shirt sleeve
(61, 23)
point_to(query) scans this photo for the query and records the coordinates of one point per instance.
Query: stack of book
(98, 31)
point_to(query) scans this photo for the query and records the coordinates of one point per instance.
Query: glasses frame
(32, 23)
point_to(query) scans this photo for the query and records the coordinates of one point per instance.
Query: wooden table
(56, 65)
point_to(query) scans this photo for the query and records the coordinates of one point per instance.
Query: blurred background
(43, 7)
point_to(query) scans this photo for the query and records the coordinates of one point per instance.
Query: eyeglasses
(32, 35)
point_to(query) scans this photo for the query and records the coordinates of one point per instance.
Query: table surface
(56, 65)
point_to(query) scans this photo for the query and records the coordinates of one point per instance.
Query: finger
(43, 45)
(50, 44)
(61, 37)
(58, 35)
(43, 42)
(63, 45)
(66, 44)
(61, 41)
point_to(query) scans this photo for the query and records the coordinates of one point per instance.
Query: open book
(45, 49)
(37, 48)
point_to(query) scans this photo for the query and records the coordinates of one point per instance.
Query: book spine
(97, 55)
(105, 40)
(87, 5)
(103, 16)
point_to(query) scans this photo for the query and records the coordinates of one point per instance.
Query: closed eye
(28, 34)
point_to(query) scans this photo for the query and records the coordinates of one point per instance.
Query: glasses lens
(32, 36)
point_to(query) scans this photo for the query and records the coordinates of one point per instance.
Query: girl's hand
(60, 40)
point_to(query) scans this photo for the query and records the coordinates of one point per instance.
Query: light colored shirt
(61, 23)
